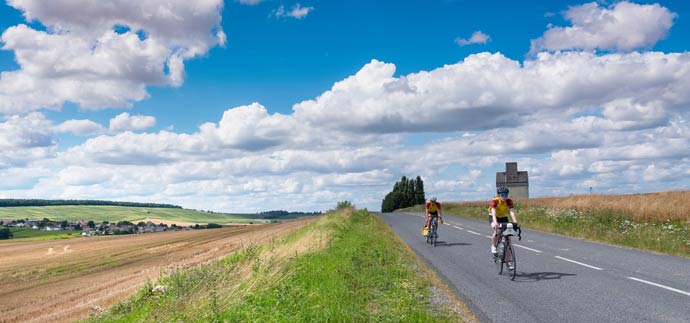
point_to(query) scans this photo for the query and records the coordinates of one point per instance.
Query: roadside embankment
(347, 266)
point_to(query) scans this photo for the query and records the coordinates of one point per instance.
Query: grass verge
(346, 267)
(31, 235)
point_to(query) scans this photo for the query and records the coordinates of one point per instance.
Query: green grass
(603, 225)
(342, 268)
(31, 234)
(99, 213)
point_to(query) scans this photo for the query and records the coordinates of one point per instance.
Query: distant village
(91, 228)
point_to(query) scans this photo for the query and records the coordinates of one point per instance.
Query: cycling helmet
(502, 190)
(433, 199)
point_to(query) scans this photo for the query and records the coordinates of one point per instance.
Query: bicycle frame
(432, 235)
(506, 253)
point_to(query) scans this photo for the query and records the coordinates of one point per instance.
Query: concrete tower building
(515, 181)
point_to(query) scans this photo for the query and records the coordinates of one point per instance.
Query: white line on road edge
(659, 285)
(472, 232)
(579, 263)
(457, 227)
(523, 247)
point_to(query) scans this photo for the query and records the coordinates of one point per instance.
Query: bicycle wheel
(434, 238)
(510, 260)
(498, 259)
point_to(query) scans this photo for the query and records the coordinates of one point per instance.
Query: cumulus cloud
(250, 128)
(297, 11)
(624, 26)
(126, 122)
(477, 37)
(24, 139)
(487, 91)
(99, 54)
(80, 127)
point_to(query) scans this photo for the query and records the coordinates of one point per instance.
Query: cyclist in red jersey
(432, 208)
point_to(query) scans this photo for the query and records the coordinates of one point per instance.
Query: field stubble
(67, 280)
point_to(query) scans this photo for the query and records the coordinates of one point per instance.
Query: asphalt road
(559, 279)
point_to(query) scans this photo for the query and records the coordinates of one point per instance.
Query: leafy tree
(44, 223)
(64, 224)
(91, 224)
(213, 226)
(406, 193)
(344, 205)
(420, 198)
(5, 233)
(78, 227)
(393, 201)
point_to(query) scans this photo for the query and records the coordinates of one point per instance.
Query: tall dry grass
(655, 207)
(661, 206)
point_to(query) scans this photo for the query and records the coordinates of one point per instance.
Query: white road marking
(523, 247)
(579, 263)
(457, 227)
(659, 285)
(472, 232)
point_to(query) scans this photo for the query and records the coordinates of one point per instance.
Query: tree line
(406, 193)
(278, 214)
(35, 202)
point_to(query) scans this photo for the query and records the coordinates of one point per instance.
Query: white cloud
(488, 91)
(80, 127)
(477, 37)
(24, 139)
(624, 26)
(250, 127)
(83, 58)
(126, 122)
(297, 11)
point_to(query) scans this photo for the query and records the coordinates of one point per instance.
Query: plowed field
(67, 280)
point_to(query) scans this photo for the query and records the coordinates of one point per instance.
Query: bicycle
(432, 234)
(504, 248)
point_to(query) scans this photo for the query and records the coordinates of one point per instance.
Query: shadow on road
(451, 244)
(533, 277)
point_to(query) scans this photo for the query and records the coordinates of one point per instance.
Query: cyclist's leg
(509, 253)
(494, 236)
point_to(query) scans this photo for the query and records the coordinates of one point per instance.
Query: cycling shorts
(499, 220)
(435, 213)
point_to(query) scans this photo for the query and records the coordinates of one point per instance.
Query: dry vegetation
(67, 280)
(661, 206)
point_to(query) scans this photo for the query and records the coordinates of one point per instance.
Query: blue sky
(244, 106)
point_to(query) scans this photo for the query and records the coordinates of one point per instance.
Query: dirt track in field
(68, 280)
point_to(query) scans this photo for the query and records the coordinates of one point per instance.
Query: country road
(559, 279)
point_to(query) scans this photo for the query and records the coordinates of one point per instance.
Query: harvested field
(67, 280)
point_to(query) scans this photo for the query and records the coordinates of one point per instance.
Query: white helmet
(433, 199)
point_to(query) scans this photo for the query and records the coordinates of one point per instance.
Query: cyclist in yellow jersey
(432, 208)
(498, 208)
